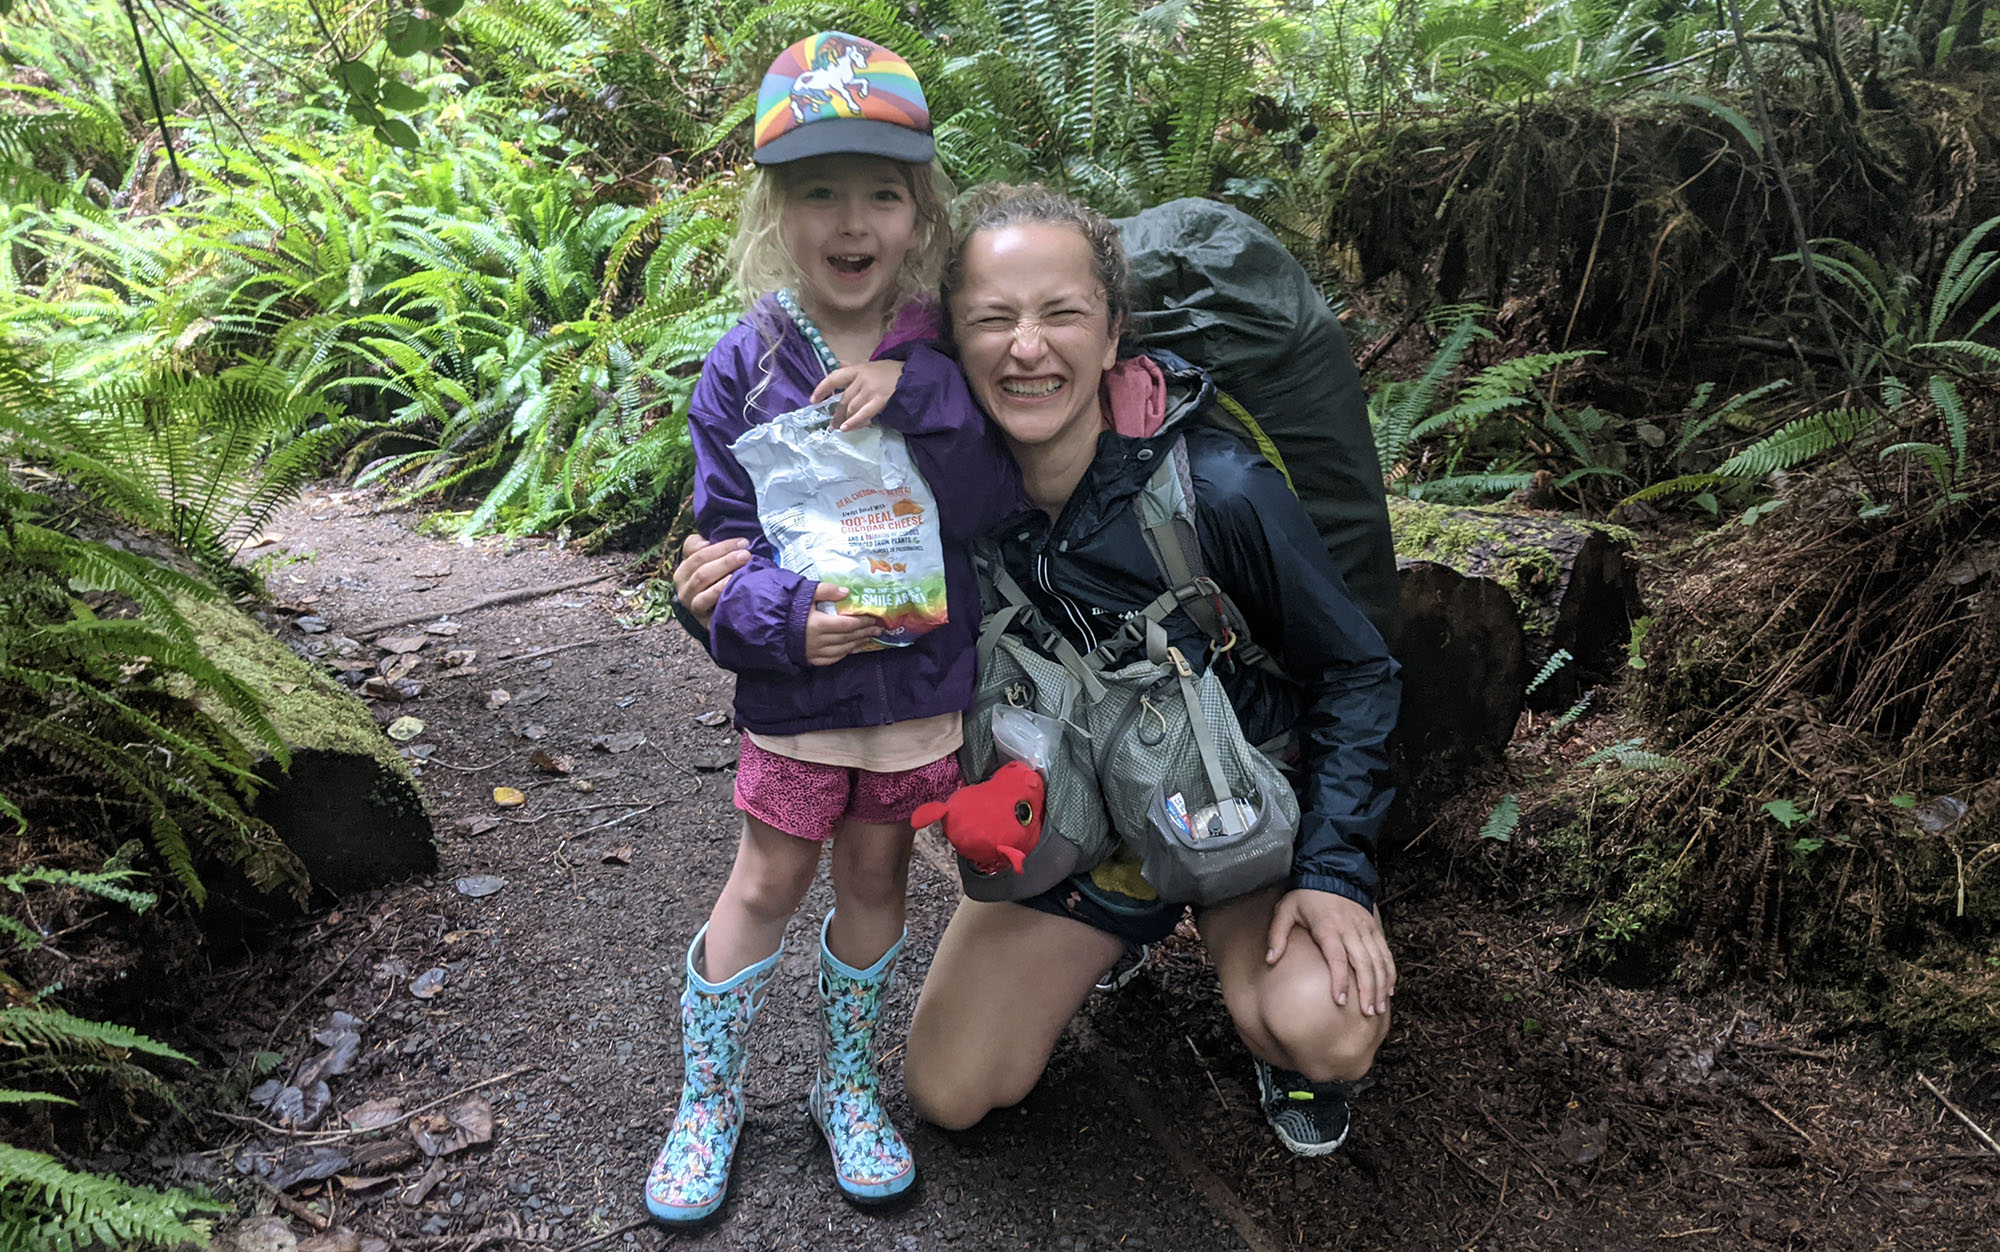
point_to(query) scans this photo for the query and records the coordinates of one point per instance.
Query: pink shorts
(809, 800)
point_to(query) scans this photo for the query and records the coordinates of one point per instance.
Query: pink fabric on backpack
(918, 321)
(1135, 393)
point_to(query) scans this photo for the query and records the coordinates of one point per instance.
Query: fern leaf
(1503, 820)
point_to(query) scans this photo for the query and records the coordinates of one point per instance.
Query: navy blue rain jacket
(1090, 568)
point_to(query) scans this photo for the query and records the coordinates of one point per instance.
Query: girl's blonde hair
(762, 263)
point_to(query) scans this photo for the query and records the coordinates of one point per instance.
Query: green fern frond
(1965, 272)
(46, 1206)
(53, 1030)
(1503, 821)
(1799, 441)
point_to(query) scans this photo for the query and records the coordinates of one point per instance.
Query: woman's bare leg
(1005, 981)
(1284, 1012)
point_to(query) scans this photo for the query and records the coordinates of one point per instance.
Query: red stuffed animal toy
(994, 824)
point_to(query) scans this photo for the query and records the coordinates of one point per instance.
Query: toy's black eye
(1023, 812)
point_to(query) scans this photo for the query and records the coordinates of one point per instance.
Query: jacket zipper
(1069, 607)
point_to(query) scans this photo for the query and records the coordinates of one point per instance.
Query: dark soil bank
(1515, 1106)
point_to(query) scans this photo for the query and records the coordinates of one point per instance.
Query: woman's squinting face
(849, 221)
(1034, 333)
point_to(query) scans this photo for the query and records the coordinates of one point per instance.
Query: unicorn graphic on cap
(835, 72)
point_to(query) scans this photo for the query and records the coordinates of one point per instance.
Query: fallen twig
(1773, 1111)
(297, 1208)
(484, 602)
(465, 769)
(330, 1136)
(1960, 1114)
(473, 671)
(636, 1223)
(584, 808)
(628, 817)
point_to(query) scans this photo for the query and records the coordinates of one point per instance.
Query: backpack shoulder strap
(1165, 508)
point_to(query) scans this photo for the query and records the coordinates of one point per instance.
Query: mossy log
(1527, 586)
(1464, 668)
(348, 806)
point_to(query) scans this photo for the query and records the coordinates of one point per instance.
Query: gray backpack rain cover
(1213, 285)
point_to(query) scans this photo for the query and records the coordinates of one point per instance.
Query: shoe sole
(871, 1202)
(1310, 1149)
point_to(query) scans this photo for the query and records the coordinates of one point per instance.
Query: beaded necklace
(790, 304)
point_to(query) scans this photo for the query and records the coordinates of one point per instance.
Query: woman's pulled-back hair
(1005, 204)
(761, 261)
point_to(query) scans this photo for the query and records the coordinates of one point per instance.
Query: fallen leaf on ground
(338, 1239)
(481, 824)
(401, 643)
(459, 657)
(509, 797)
(399, 689)
(293, 1166)
(464, 1124)
(431, 981)
(533, 730)
(376, 1113)
(622, 741)
(414, 1194)
(714, 717)
(259, 1234)
(496, 697)
(311, 624)
(620, 855)
(287, 688)
(394, 667)
(584, 785)
(477, 885)
(444, 629)
(404, 729)
(357, 1185)
(551, 764)
(715, 758)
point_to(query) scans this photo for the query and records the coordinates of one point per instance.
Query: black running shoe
(1126, 968)
(1310, 1117)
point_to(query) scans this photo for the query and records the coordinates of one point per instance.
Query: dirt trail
(1513, 1108)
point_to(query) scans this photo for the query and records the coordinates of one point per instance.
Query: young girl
(841, 239)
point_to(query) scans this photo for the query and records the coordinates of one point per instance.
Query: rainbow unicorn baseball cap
(833, 92)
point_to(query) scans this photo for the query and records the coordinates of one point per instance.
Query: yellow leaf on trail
(508, 797)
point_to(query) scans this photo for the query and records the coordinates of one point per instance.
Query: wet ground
(526, 1086)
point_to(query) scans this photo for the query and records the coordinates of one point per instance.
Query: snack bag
(849, 507)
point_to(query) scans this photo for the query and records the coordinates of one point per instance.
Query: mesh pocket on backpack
(1076, 833)
(1149, 770)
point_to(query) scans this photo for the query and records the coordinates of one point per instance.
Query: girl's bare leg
(871, 886)
(770, 877)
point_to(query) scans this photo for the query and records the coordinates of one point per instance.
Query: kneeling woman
(1037, 295)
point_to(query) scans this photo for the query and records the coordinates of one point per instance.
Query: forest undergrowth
(1728, 276)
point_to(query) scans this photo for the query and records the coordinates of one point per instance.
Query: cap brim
(857, 135)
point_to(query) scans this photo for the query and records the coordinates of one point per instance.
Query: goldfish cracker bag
(850, 508)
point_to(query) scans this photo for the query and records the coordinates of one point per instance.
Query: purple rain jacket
(759, 627)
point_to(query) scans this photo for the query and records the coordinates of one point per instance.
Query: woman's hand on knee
(1350, 937)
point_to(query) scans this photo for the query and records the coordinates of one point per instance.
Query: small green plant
(1408, 413)
(43, 1203)
(1503, 821)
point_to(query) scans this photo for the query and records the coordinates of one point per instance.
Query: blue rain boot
(871, 1162)
(691, 1176)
